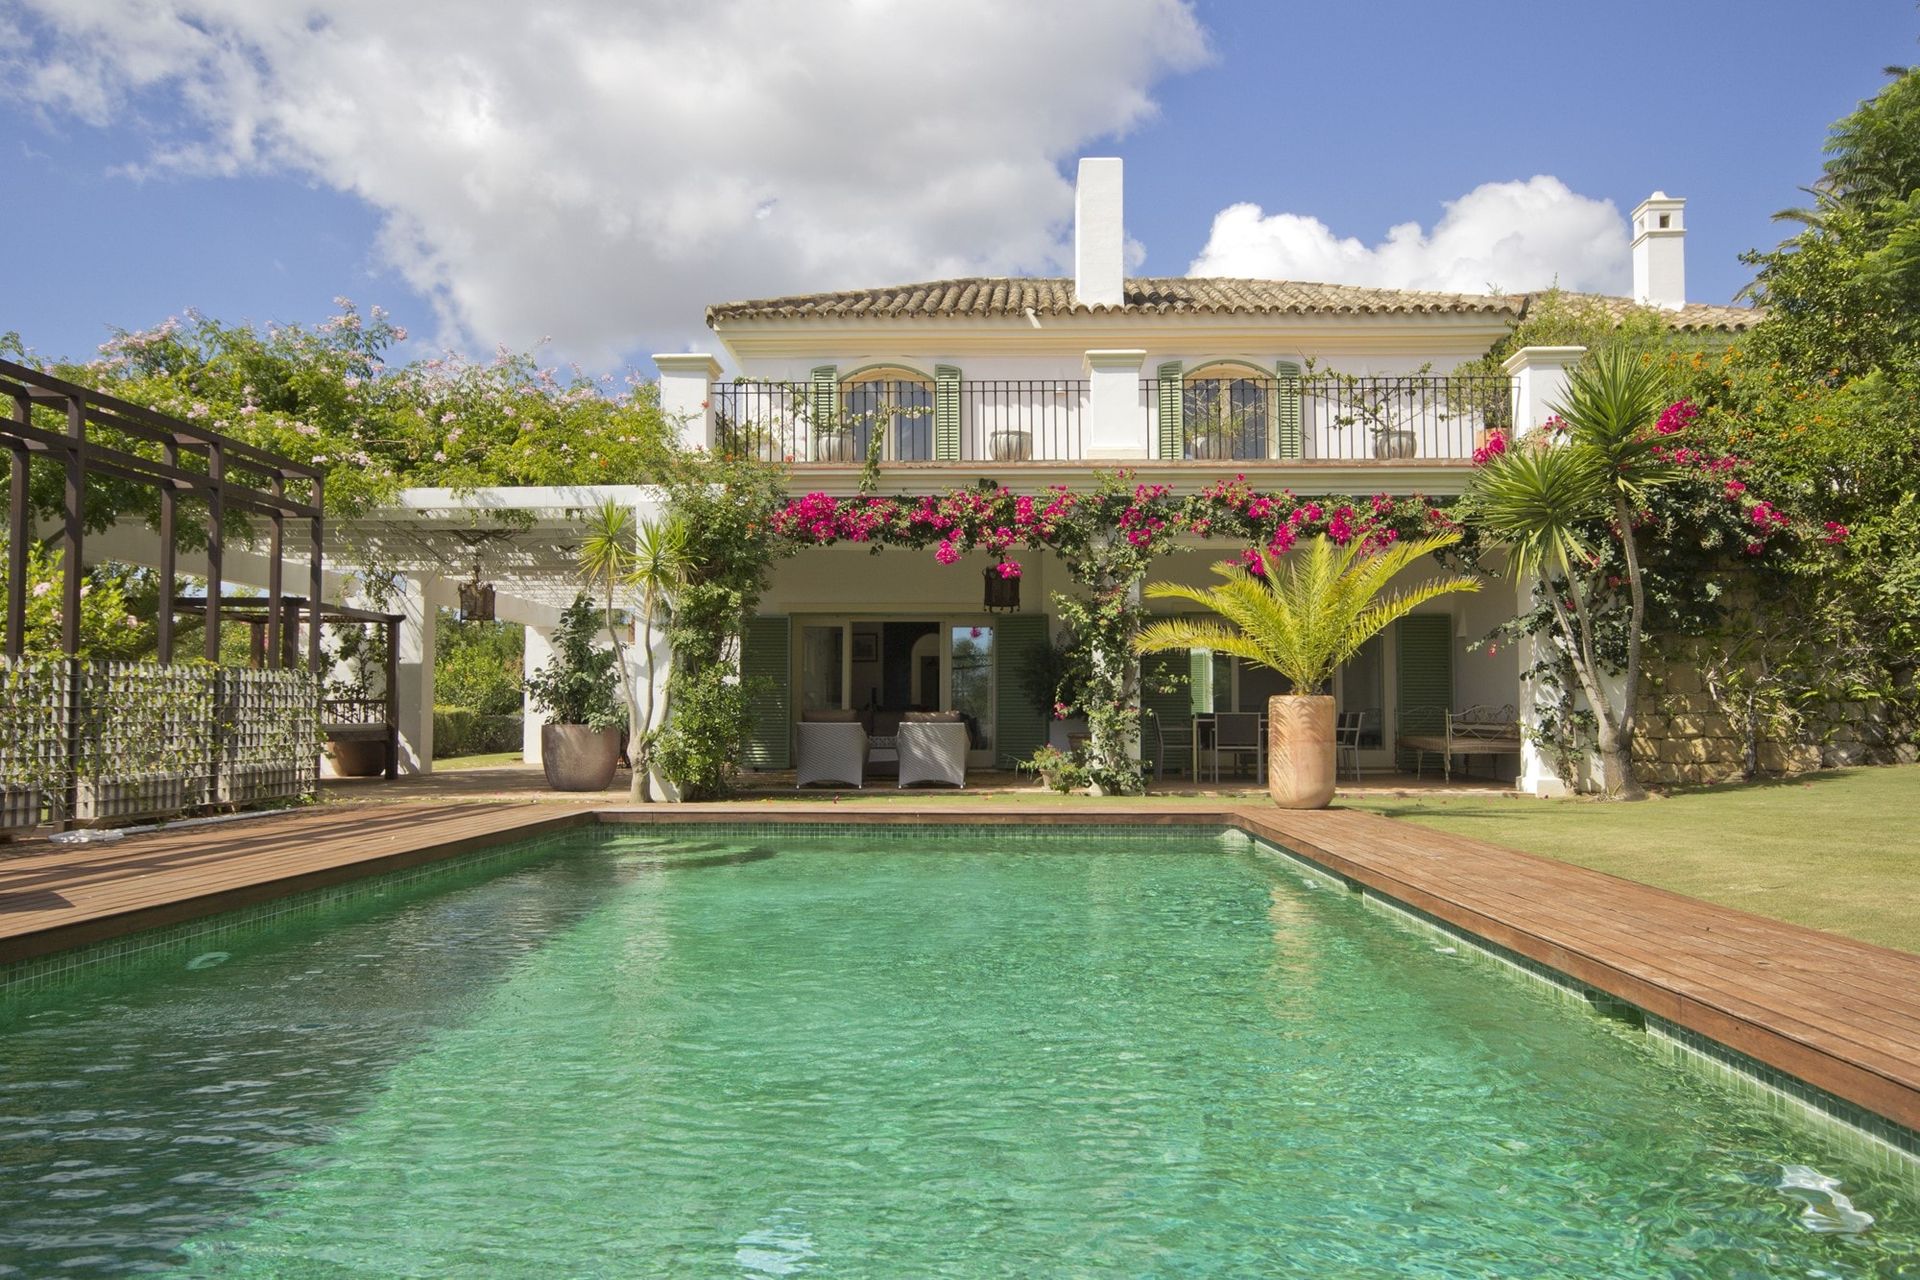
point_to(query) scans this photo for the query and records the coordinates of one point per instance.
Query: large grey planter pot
(357, 757)
(1300, 754)
(577, 758)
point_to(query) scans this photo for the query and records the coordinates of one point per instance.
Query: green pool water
(885, 1057)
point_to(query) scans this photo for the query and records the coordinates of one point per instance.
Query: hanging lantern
(1003, 593)
(476, 597)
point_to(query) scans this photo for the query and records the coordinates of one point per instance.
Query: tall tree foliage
(1822, 398)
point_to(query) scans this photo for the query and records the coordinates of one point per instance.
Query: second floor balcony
(1226, 418)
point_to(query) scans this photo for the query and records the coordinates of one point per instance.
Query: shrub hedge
(460, 731)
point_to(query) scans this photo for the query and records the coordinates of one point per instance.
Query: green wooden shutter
(824, 401)
(1287, 434)
(1166, 690)
(766, 665)
(946, 413)
(1019, 726)
(1424, 685)
(1201, 670)
(1172, 440)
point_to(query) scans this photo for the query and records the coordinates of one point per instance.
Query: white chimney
(1660, 252)
(1099, 243)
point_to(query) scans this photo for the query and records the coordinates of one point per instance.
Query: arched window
(1227, 412)
(896, 403)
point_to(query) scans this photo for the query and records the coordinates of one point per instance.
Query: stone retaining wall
(1685, 737)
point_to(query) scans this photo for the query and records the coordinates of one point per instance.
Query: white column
(419, 603)
(684, 383)
(1539, 383)
(538, 653)
(1117, 423)
(1537, 774)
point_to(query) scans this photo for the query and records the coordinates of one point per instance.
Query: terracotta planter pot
(577, 758)
(357, 757)
(1300, 757)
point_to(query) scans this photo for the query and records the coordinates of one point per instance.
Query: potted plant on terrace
(648, 557)
(1302, 618)
(580, 743)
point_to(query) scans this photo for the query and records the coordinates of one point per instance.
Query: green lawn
(1837, 850)
(444, 763)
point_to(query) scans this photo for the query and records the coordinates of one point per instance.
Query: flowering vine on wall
(1107, 538)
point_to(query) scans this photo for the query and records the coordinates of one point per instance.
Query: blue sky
(656, 165)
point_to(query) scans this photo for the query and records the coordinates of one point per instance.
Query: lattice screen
(112, 741)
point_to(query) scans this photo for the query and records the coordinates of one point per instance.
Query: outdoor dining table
(1205, 721)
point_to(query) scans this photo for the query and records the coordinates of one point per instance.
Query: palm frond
(1313, 610)
(1536, 503)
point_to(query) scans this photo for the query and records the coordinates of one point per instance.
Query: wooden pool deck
(1840, 1015)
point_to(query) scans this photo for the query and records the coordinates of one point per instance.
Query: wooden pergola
(178, 460)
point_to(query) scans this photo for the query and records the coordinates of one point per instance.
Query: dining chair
(1167, 741)
(1346, 740)
(1236, 733)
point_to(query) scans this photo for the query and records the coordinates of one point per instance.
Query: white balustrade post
(1539, 382)
(537, 652)
(685, 381)
(1117, 423)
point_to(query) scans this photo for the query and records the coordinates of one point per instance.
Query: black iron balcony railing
(1335, 417)
(1005, 420)
(1320, 417)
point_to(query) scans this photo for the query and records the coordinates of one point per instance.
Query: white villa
(1031, 382)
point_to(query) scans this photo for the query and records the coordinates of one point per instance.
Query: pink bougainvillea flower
(1836, 533)
(1676, 417)
(1009, 568)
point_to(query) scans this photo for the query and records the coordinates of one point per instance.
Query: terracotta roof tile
(1013, 296)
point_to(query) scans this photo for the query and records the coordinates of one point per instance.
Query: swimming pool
(885, 1055)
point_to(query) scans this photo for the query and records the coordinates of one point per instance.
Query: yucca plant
(650, 557)
(1547, 505)
(1310, 613)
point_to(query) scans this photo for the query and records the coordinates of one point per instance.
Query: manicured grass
(445, 763)
(1837, 851)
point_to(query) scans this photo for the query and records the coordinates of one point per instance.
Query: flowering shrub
(328, 395)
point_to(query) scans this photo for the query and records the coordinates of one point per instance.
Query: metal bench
(1480, 730)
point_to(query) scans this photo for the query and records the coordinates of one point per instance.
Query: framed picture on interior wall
(866, 647)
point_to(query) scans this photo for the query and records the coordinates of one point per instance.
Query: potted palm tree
(648, 558)
(580, 743)
(1303, 618)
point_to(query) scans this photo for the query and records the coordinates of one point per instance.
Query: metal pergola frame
(80, 457)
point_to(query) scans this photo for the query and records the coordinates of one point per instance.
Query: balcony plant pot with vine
(1395, 442)
(835, 444)
(577, 693)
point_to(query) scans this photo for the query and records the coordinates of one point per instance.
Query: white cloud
(1512, 236)
(599, 170)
